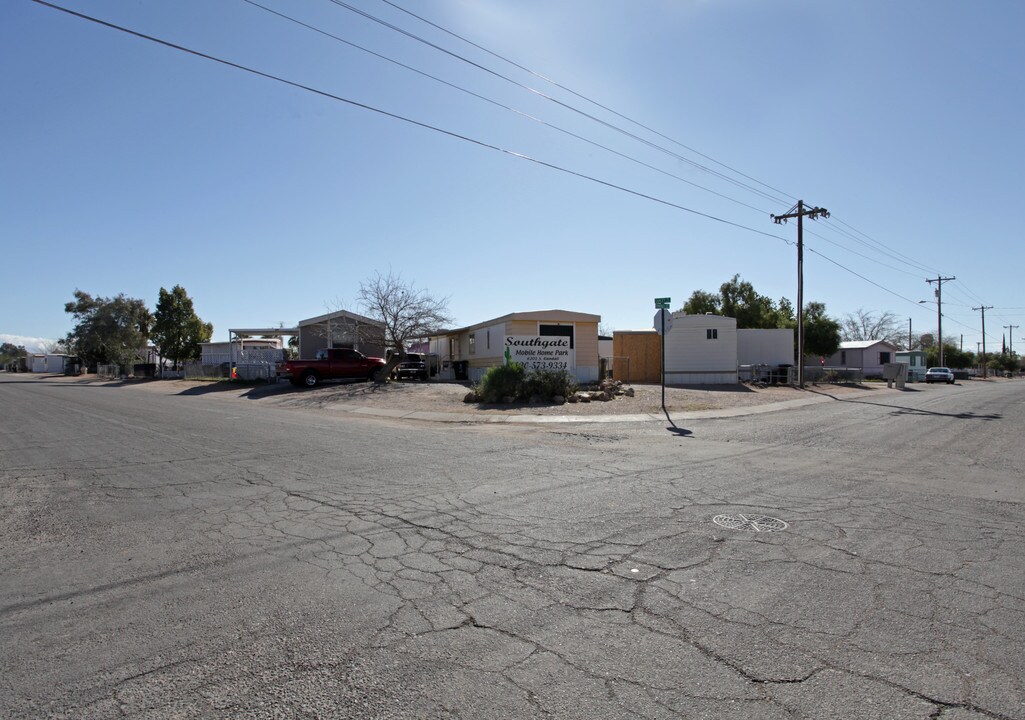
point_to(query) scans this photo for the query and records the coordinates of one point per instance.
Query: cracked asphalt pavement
(197, 556)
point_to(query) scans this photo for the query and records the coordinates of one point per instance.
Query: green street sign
(662, 303)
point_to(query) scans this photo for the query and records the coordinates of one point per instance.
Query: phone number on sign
(547, 365)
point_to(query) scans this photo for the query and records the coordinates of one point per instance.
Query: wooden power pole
(799, 211)
(939, 309)
(984, 308)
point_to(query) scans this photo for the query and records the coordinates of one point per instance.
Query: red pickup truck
(330, 364)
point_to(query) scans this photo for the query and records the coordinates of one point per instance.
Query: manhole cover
(756, 523)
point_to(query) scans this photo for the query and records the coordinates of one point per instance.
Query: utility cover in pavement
(755, 523)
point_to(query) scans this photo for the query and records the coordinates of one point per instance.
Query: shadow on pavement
(903, 410)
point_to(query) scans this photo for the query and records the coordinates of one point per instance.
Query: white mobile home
(701, 350)
(466, 353)
(773, 347)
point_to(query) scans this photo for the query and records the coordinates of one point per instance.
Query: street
(195, 556)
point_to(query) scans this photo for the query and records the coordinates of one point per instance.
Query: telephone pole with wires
(1010, 334)
(799, 211)
(984, 308)
(939, 310)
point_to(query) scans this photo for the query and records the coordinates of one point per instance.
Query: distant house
(55, 362)
(867, 355)
(548, 339)
(916, 363)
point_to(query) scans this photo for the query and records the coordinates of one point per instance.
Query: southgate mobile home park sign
(540, 352)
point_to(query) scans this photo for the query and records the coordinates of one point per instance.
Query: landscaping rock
(470, 397)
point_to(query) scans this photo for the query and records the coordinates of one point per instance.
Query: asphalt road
(198, 556)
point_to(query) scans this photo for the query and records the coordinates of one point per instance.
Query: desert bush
(546, 384)
(500, 382)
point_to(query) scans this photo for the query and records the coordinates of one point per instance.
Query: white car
(939, 374)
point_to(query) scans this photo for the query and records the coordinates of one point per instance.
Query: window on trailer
(557, 331)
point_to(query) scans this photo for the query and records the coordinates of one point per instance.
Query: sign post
(662, 305)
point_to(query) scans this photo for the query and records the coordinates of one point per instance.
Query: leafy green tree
(702, 302)
(737, 299)
(821, 332)
(953, 357)
(177, 330)
(740, 301)
(9, 352)
(785, 317)
(107, 330)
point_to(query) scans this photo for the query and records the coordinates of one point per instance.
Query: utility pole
(799, 211)
(984, 308)
(1010, 338)
(911, 338)
(939, 310)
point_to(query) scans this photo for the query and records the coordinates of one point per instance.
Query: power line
(585, 98)
(448, 133)
(498, 104)
(552, 99)
(898, 257)
(395, 116)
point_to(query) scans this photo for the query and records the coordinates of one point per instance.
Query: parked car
(413, 365)
(939, 374)
(330, 363)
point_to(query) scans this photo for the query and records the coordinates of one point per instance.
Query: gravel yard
(448, 397)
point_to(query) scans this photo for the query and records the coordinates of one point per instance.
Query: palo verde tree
(108, 330)
(408, 313)
(177, 330)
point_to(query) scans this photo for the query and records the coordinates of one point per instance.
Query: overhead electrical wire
(875, 246)
(402, 118)
(552, 99)
(465, 138)
(503, 106)
(879, 247)
(585, 98)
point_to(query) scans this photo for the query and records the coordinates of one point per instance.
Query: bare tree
(866, 325)
(52, 347)
(408, 313)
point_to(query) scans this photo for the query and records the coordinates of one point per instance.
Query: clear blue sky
(128, 166)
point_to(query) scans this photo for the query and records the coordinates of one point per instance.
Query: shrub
(500, 382)
(547, 384)
(513, 380)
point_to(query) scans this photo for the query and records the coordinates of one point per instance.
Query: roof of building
(340, 314)
(542, 315)
(862, 344)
